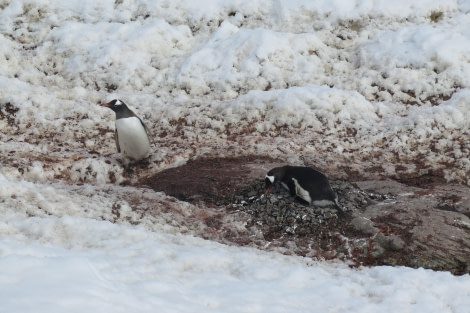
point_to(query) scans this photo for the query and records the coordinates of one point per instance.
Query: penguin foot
(145, 163)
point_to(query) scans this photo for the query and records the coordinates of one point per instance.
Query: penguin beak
(105, 105)
(266, 191)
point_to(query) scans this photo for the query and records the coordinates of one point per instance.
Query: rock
(385, 221)
(364, 225)
(391, 242)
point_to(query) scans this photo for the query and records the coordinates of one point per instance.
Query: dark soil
(208, 180)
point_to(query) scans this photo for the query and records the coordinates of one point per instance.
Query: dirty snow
(379, 87)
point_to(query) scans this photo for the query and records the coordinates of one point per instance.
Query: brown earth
(416, 222)
(209, 179)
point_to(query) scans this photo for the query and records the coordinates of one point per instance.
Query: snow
(54, 262)
(335, 83)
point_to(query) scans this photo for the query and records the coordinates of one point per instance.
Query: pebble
(279, 211)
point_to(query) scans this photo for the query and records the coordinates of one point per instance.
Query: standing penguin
(305, 183)
(131, 135)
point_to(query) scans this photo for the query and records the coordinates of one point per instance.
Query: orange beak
(105, 105)
(266, 191)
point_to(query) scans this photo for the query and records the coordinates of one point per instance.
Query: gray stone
(390, 242)
(364, 225)
(385, 223)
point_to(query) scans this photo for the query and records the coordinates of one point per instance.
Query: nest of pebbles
(280, 213)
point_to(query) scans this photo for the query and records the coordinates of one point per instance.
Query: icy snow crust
(364, 88)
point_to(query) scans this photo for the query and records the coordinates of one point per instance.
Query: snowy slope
(362, 84)
(60, 251)
(370, 88)
(112, 268)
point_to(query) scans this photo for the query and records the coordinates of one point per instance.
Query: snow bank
(53, 264)
(351, 73)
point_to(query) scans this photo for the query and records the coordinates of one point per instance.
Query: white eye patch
(271, 178)
(118, 103)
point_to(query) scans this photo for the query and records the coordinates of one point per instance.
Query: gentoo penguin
(305, 183)
(131, 135)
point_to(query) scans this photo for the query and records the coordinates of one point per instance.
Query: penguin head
(116, 105)
(272, 177)
(269, 181)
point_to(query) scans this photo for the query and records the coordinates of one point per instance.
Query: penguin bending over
(304, 182)
(131, 135)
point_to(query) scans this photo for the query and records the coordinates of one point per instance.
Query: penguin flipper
(116, 140)
(149, 134)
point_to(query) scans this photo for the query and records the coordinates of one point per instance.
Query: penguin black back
(304, 182)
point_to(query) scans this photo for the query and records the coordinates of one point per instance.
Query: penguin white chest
(300, 192)
(132, 138)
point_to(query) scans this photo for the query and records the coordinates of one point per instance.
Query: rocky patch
(385, 222)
